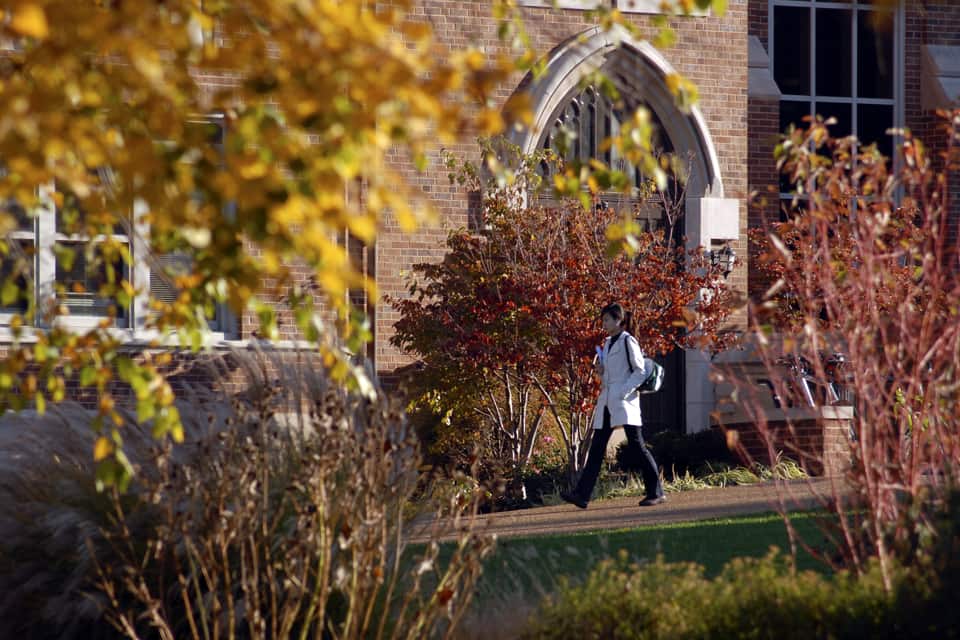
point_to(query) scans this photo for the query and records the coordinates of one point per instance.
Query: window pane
(81, 281)
(790, 209)
(791, 112)
(875, 55)
(649, 214)
(791, 53)
(164, 270)
(873, 120)
(203, 132)
(70, 215)
(834, 53)
(24, 220)
(659, 140)
(842, 113)
(72, 219)
(17, 266)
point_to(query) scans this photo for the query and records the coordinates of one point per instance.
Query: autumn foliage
(866, 266)
(233, 134)
(510, 317)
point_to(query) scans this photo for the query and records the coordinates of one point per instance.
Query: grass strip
(524, 570)
(529, 568)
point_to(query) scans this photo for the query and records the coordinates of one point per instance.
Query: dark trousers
(598, 451)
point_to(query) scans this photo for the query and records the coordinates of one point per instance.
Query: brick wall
(763, 115)
(926, 22)
(759, 15)
(230, 373)
(764, 205)
(710, 51)
(934, 22)
(185, 371)
(819, 445)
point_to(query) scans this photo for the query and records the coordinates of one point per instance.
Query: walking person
(621, 367)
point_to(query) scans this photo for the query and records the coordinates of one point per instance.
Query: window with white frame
(52, 259)
(839, 59)
(82, 264)
(164, 268)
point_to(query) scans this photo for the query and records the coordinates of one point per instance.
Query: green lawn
(526, 569)
(522, 571)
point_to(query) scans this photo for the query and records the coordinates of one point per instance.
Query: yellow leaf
(148, 63)
(405, 214)
(363, 227)
(519, 109)
(198, 237)
(733, 439)
(417, 30)
(253, 169)
(559, 183)
(475, 60)
(490, 121)
(593, 185)
(176, 426)
(102, 448)
(7, 223)
(30, 20)
(270, 261)
(307, 107)
(291, 212)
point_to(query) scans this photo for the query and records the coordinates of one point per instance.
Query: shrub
(281, 515)
(677, 454)
(751, 598)
(862, 309)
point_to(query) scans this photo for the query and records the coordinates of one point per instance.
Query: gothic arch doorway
(639, 73)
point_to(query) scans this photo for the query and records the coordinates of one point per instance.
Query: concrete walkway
(623, 513)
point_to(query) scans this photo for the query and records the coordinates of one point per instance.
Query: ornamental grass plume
(281, 515)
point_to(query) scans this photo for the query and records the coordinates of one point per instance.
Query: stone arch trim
(588, 51)
(710, 216)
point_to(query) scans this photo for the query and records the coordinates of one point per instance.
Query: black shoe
(652, 501)
(573, 498)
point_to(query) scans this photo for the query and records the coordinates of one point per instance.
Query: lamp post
(723, 259)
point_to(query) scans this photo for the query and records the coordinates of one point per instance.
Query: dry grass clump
(280, 516)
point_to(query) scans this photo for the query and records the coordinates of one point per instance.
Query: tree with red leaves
(510, 317)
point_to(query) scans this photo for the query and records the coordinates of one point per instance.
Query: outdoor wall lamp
(723, 259)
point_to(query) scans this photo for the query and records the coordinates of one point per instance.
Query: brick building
(765, 63)
(711, 51)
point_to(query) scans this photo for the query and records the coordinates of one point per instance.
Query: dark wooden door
(665, 410)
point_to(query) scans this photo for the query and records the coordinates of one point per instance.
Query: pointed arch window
(578, 130)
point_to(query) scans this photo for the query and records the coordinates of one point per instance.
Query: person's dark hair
(615, 311)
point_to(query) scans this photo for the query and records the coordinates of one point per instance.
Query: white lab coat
(618, 392)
